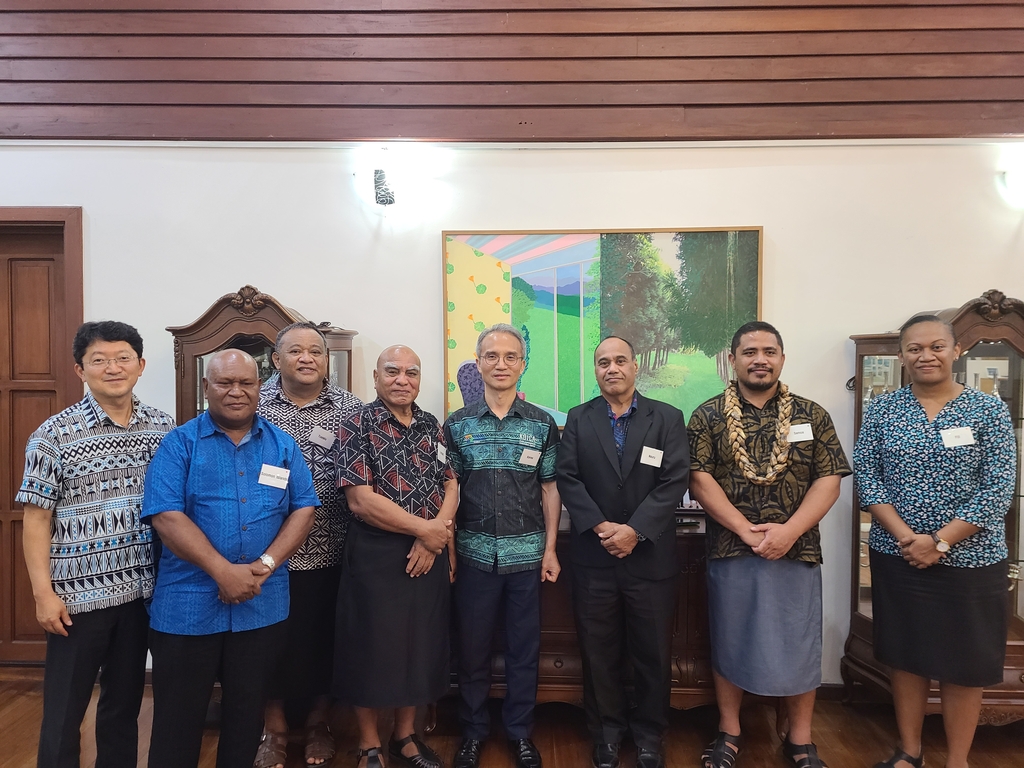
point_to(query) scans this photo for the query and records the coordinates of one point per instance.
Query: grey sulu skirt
(766, 624)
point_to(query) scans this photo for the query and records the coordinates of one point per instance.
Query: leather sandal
(917, 762)
(808, 755)
(273, 751)
(319, 744)
(427, 758)
(372, 756)
(718, 754)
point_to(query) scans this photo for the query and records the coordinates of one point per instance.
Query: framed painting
(676, 295)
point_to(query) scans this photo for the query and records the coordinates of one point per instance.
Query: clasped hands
(618, 539)
(770, 540)
(918, 549)
(238, 582)
(434, 537)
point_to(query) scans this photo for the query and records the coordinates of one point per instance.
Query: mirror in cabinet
(990, 330)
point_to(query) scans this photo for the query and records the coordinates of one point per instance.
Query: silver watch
(268, 561)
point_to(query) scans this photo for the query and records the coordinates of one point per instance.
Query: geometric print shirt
(502, 465)
(810, 458)
(901, 459)
(90, 472)
(400, 463)
(322, 548)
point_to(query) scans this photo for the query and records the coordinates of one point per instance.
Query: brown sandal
(319, 744)
(273, 751)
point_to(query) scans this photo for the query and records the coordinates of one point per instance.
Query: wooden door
(40, 310)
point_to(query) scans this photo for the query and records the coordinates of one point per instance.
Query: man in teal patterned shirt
(503, 449)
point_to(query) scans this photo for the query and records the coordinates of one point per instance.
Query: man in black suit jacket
(623, 468)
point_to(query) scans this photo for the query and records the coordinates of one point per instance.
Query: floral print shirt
(900, 459)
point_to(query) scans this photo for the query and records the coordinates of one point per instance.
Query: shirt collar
(381, 414)
(629, 411)
(206, 427)
(516, 408)
(100, 416)
(330, 394)
(771, 402)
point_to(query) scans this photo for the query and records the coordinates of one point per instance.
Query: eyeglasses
(492, 358)
(121, 361)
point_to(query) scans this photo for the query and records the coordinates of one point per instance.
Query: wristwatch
(940, 544)
(268, 561)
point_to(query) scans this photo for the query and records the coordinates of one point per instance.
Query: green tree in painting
(523, 298)
(717, 290)
(637, 294)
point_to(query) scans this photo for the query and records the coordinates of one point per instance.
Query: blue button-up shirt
(620, 427)
(198, 470)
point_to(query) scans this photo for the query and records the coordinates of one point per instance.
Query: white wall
(857, 237)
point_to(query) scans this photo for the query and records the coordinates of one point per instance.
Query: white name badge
(799, 433)
(320, 436)
(651, 456)
(276, 477)
(442, 453)
(955, 436)
(530, 457)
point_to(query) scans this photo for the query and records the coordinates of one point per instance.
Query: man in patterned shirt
(766, 466)
(503, 449)
(89, 559)
(392, 630)
(303, 403)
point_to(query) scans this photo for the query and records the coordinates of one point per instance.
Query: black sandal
(917, 762)
(426, 757)
(372, 756)
(718, 754)
(810, 757)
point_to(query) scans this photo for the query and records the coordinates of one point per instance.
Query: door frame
(68, 313)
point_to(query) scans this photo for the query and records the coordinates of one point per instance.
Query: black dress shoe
(649, 758)
(606, 756)
(427, 758)
(525, 752)
(468, 754)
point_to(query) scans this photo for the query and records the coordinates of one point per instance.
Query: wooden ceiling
(510, 70)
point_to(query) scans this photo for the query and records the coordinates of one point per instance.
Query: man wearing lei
(766, 466)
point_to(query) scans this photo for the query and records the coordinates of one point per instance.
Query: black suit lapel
(639, 424)
(603, 428)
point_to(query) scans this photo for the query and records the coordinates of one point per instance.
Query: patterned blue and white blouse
(900, 459)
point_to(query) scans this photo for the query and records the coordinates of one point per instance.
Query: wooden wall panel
(520, 70)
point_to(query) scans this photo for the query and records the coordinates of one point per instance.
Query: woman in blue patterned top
(935, 466)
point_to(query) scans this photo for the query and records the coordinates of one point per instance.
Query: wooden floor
(847, 736)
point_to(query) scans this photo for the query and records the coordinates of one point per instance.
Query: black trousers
(480, 598)
(185, 668)
(621, 619)
(111, 642)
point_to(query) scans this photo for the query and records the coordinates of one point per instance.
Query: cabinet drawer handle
(559, 663)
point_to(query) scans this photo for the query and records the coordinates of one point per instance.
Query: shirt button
(499, 514)
(241, 473)
(243, 499)
(245, 527)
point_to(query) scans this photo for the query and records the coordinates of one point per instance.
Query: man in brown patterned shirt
(766, 466)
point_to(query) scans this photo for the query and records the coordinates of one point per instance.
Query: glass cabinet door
(260, 348)
(879, 374)
(997, 369)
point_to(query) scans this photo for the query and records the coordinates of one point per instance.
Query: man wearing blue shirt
(231, 498)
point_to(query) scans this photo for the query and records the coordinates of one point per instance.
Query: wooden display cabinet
(990, 330)
(248, 320)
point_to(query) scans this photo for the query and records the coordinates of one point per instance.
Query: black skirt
(392, 647)
(305, 668)
(941, 623)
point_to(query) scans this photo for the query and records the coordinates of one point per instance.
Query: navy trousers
(481, 597)
(111, 642)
